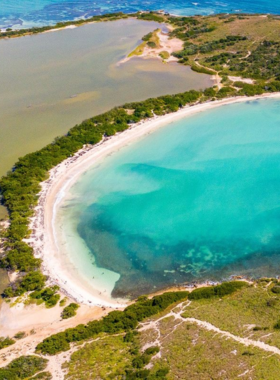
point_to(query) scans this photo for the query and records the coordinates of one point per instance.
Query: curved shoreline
(64, 175)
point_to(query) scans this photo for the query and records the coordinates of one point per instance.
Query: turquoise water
(28, 13)
(197, 199)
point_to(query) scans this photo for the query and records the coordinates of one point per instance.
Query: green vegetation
(6, 342)
(202, 70)
(63, 302)
(47, 295)
(263, 63)
(139, 50)
(197, 354)
(276, 289)
(69, 311)
(113, 357)
(104, 359)
(30, 282)
(208, 47)
(23, 367)
(192, 352)
(188, 350)
(20, 335)
(164, 55)
(35, 30)
(151, 16)
(43, 376)
(114, 322)
(217, 291)
(230, 45)
(240, 312)
(151, 39)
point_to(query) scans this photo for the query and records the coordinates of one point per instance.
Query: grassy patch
(103, 359)
(151, 40)
(139, 50)
(240, 312)
(164, 55)
(197, 354)
(6, 342)
(69, 311)
(23, 367)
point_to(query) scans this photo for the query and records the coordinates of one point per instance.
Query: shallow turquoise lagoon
(197, 199)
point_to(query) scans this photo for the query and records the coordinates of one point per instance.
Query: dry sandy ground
(166, 44)
(38, 323)
(240, 79)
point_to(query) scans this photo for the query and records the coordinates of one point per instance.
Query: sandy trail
(176, 314)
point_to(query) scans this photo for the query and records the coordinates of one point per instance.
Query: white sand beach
(63, 176)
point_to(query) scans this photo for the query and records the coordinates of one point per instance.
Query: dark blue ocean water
(26, 13)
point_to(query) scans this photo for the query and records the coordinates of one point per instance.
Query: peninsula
(241, 51)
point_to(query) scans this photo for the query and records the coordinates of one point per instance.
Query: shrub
(276, 289)
(248, 353)
(63, 302)
(152, 350)
(202, 70)
(209, 92)
(69, 311)
(22, 368)
(217, 291)
(161, 373)
(20, 335)
(277, 325)
(114, 322)
(6, 342)
(140, 361)
(30, 282)
(43, 376)
(259, 328)
(130, 336)
(271, 302)
(48, 295)
(164, 54)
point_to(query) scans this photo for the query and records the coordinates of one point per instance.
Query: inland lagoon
(195, 200)
(54, 80)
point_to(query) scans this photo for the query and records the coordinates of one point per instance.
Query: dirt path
(55, 364)
(245, 341)
(216, 76)
(176, 314)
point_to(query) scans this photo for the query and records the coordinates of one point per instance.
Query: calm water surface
(52, 81)
(195, 200)
(27, 13)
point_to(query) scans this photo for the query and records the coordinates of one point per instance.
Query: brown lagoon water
(50, 82)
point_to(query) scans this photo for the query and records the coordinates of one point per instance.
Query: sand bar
(64, 175)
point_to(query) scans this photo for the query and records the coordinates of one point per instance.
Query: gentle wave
(28, 13)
